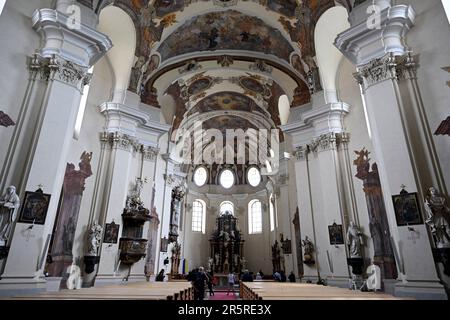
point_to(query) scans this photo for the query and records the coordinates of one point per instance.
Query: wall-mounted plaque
(35, 207)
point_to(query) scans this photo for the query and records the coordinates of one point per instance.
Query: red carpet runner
(222, 296)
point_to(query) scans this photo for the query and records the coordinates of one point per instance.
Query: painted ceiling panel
(229, 30)
(226, 101)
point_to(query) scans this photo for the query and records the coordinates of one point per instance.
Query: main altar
(227, 246)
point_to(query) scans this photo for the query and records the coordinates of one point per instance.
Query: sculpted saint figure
(94, 237)
(438, 217)
(9, 203)
(354, 240)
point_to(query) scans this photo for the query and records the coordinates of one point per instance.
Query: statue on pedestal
(308, 246)
(354, 240)
(9, 203)
(276, 257)
(94, 238)
(438, 218)
(176, 256)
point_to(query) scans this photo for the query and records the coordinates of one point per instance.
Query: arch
(226, 206)
(330, 24)
(198, 216)
(119, 26)
(254, 217)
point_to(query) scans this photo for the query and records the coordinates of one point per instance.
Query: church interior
(300, 147)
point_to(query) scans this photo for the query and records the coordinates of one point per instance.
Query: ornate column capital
(389, 67)
(55, 68)
(325, 142)
(150, 153)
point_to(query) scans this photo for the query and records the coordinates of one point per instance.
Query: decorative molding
(56, 68)
(261, 66)
(150, 153)
(301, 152)
(83, 46)
(389, 67)
(225, 3)
(125, 142)
(173, 180)
(357, 43)
(225, 61)
(325, 142)
(191, 65)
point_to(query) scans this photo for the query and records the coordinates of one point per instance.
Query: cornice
(361, 44)
(58, 39)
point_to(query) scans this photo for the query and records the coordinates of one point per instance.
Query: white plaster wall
(18, 41)
(257, 247)
(355, 123)
(430, 39)
(89, 140)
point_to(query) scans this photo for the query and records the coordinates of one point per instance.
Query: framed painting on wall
(35, 207)
(111, 233)
(336, 234)
(407, 209)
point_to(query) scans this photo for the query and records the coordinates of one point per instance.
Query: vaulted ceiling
(213, 56)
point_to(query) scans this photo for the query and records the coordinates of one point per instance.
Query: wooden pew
(129, 291)
(299, 291)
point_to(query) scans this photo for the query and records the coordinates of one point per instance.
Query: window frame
(198, 220)
(220, 179)
(206, 179)
(251, 217)
(260, 176)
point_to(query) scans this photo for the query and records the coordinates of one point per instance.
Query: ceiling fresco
(227, 122)
(226, 101)
(284, 7)
(164, 7)
(228, 30)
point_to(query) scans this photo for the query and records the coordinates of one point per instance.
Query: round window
(200, 176)
(227, 179)
(253, 177)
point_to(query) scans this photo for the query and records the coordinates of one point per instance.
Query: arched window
(226, 178)
(226, 206)
(272, 212)
(199, 216)
(254, 217)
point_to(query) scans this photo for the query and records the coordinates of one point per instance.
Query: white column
(132, 138)
(61, 66)
(401, 137)
(321, 202)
